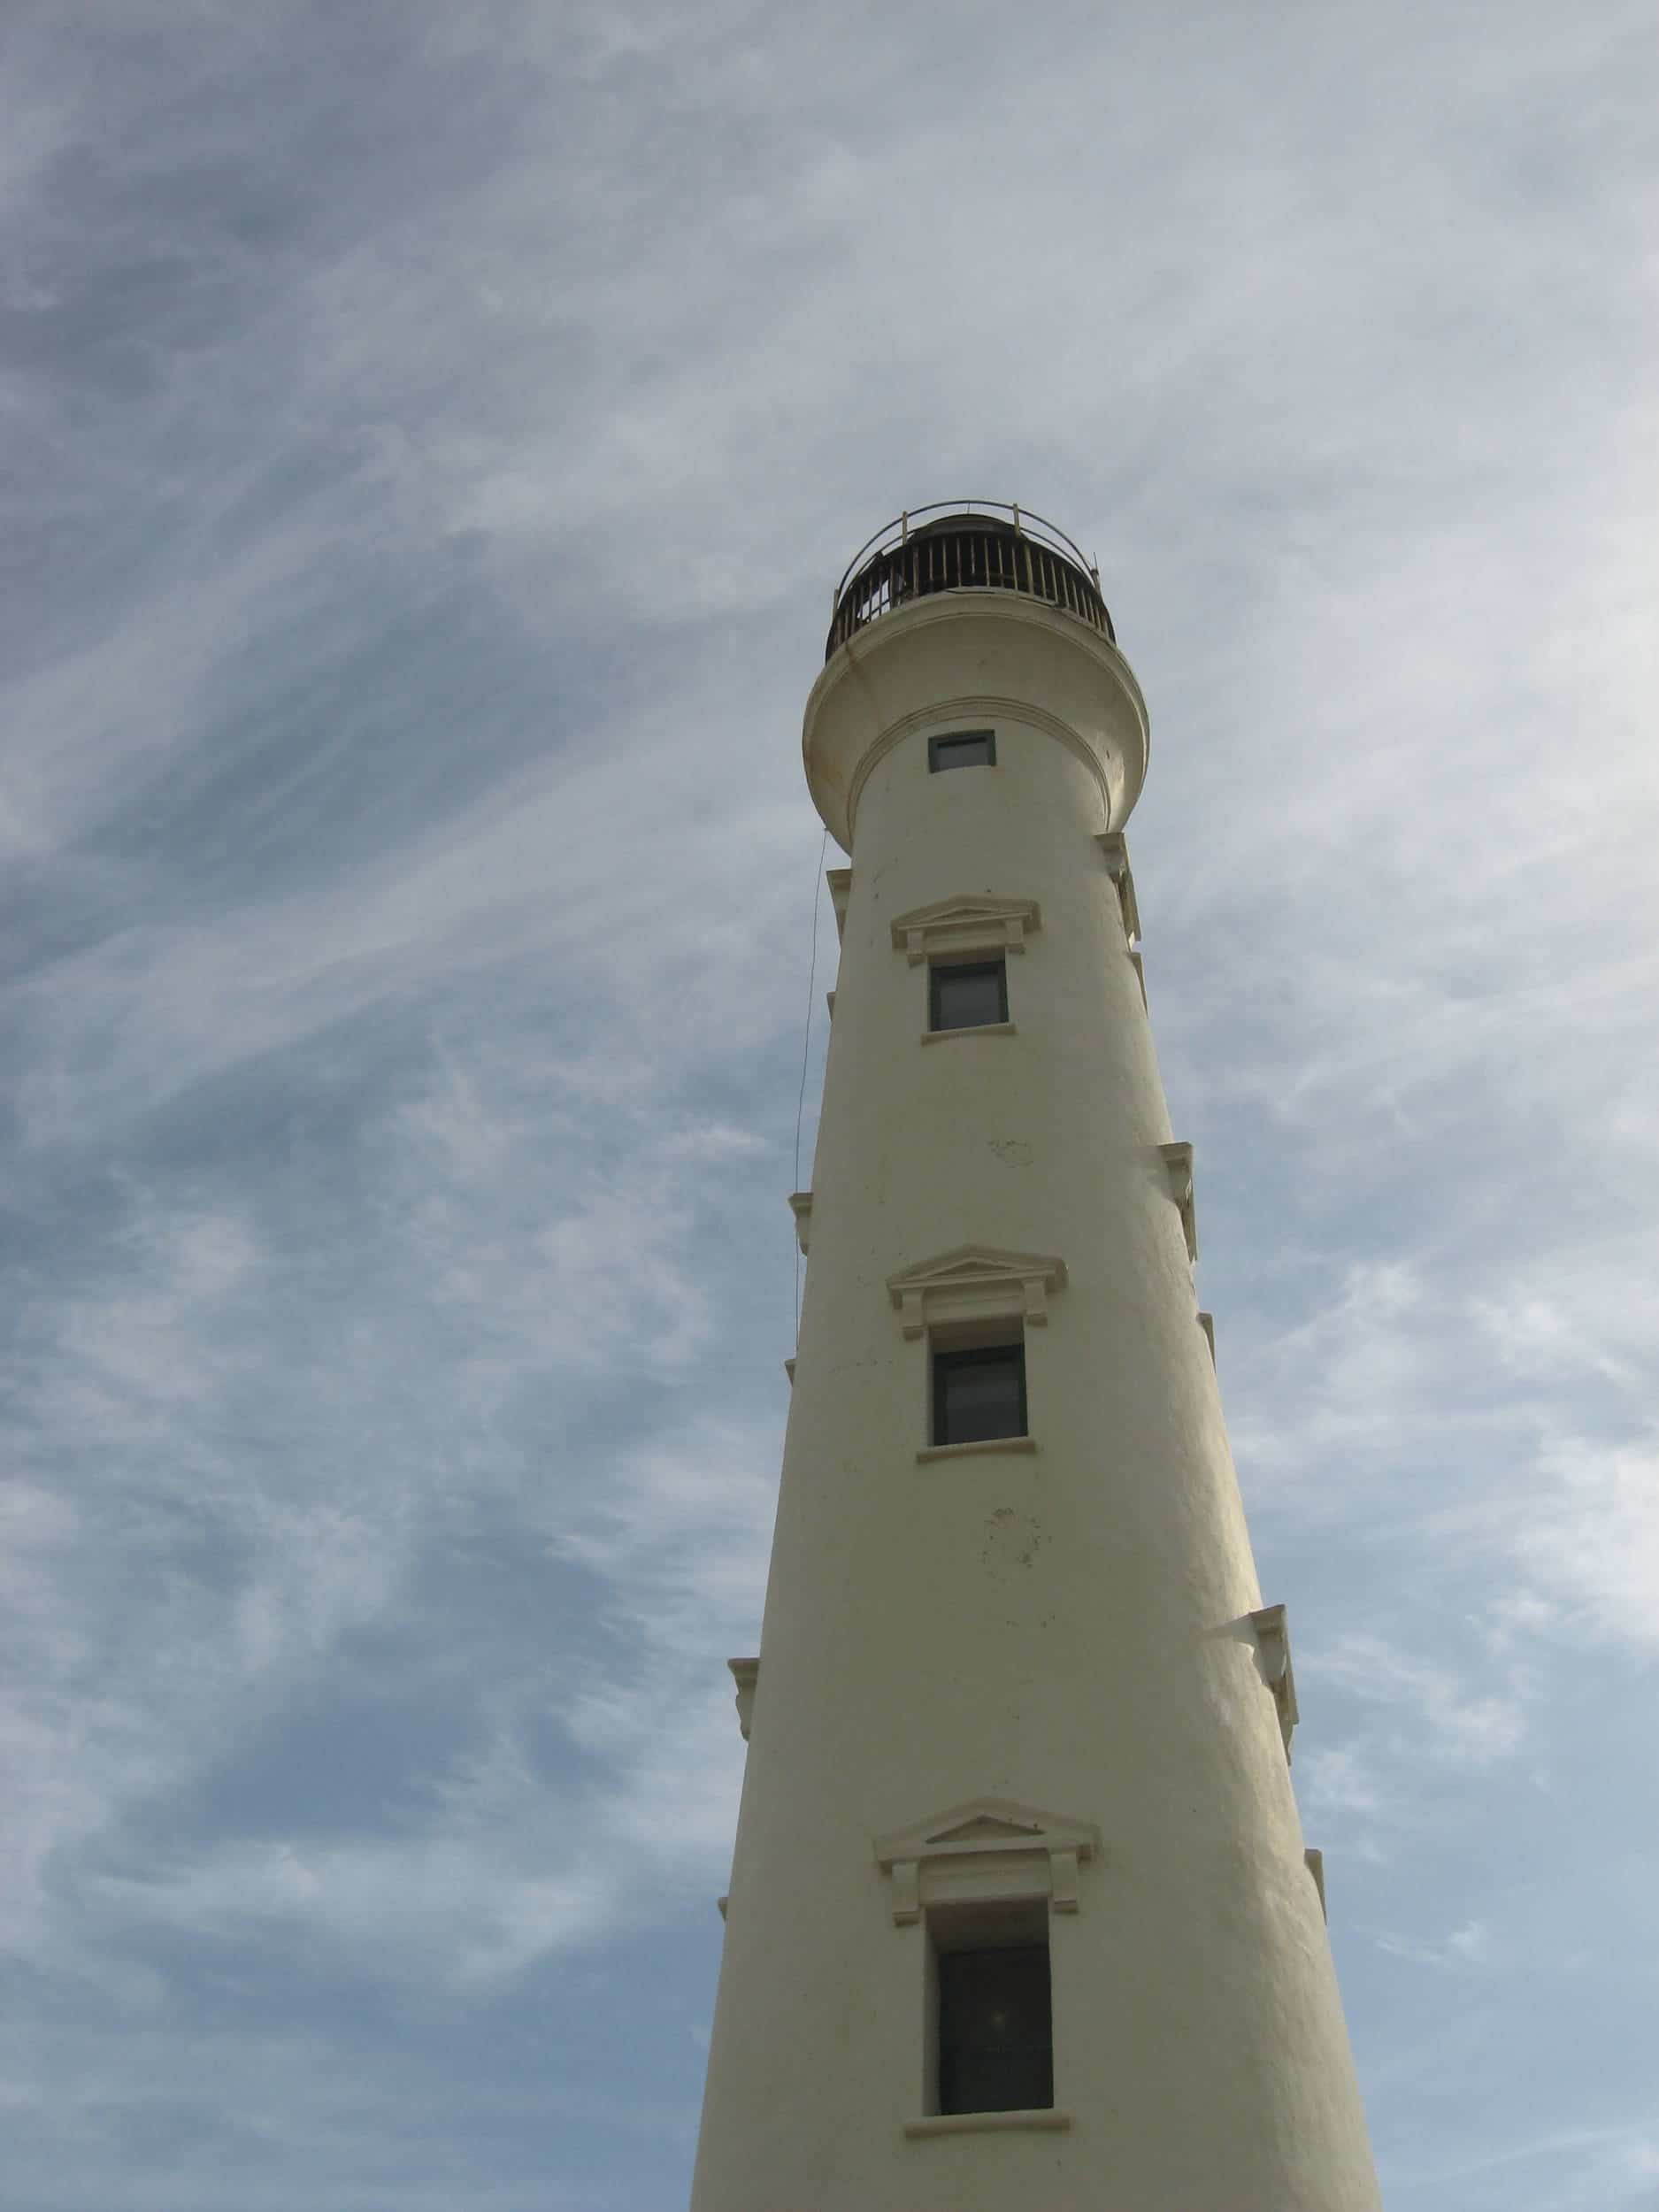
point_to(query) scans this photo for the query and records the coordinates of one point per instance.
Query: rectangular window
(995, 2048)
(967, 994)
(978, 1393)
(965, 749)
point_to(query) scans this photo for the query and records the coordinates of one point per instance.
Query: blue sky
(433, 435)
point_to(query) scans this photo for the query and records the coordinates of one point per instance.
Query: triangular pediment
(967, 906)
(983, 1828)
(966, 1266)
(974, 1282)
(967, 921)
(987, 1823)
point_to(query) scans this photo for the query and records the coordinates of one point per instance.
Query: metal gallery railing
(965, 545)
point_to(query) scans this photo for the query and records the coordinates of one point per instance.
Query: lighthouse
(1021, 1917)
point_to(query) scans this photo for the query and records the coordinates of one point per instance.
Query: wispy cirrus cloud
(434, 436)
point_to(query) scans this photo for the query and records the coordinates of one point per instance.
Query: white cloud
(1593, 1545)
(515, 1859)
(1465, 1949)
(429, 506)
(1431, 1706)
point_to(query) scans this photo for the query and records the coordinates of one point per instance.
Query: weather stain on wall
(1013, 1541)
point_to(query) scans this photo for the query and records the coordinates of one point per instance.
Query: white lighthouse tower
(1020, 1917)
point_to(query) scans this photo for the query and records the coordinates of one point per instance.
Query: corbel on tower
(1314, 1861)
(1177, 1166)
(1272, 1647)
(746, 1674)
(1115, 851)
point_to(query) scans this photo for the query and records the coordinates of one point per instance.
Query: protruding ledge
(1177, 1165)
(840, 889)
(788, 1369)
(1207, 1323)
(722, 1902)
(1048, 2119)
(1139, 967)
(976, 1282)
(1314, 1861)
(746, 1674)
(965, 924)
(974, 1029)
(801, 1207)
(1115, 850)
(829, 1001)
(978, 1444)
(1273, 1648)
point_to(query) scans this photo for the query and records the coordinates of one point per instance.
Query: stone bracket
(1207, 1323)
(1115, 851)
(746, 1674)
(840, 889)
(1272, 1655)
(1177, 1165)
(1314, 1861)
(801, 1207)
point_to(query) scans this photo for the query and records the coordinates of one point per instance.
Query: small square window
(979, 1394)
(964, 749)
(995, 2051)
(967, 994)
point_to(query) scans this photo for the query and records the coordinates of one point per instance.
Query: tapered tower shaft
(1020, 1913)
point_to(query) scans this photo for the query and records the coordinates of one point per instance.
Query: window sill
(979, 1444)
(1047, 2121)
(970, 1029)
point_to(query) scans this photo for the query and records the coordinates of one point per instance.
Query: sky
(433, 434)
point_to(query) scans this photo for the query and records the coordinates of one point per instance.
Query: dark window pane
(967, 995)
(968, 749)
(995, 2031)
(978, 1393)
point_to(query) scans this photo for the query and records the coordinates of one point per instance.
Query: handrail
(961, 545)
(1026, 524)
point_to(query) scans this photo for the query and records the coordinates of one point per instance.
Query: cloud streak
(433, 435)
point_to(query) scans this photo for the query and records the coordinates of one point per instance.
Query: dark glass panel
(978, 1393)
(968, 749)
(967, 994)
(995, 2031)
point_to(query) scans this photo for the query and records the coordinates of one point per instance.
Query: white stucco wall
(1066, 1627)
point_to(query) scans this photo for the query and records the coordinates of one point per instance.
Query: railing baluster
(972, 551)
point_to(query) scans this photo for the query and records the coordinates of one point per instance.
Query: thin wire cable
(806, 1047)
